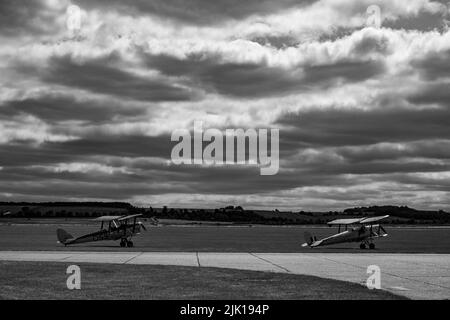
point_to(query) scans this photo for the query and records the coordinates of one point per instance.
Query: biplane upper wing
(118, 218)
(107, 218)
(129, 217)
(364, 220)
(344, 221)
(372, 219)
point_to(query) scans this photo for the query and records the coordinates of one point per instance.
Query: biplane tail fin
(308, 238)
(63, 236)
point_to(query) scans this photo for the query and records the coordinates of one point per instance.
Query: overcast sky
(363, 112)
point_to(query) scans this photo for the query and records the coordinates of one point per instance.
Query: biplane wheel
(372, 246)
(123, 243)
(362, 246)
(129, 244)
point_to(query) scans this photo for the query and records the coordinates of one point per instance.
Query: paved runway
(417, 276)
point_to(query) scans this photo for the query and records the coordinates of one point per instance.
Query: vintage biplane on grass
(363, 230)
(111, 228)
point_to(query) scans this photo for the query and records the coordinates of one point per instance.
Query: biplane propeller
(111, 228)
(363, 230)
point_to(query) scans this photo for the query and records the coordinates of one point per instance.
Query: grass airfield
(114, 281)
(41, 235)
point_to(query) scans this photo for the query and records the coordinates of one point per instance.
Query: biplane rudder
(63, 236)
(308, 238)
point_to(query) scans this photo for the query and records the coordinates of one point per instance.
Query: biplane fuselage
(122, 232)
(364, 232)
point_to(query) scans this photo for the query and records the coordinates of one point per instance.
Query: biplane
(363, 230)
(111, 228)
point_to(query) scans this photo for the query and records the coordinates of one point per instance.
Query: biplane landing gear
(126, 243)
(362, 246)
(372, 246)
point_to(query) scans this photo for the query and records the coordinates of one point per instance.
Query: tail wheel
(362, 246)
(372, 246)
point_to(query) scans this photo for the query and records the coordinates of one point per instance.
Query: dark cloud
(66, 189)
(243, 80)
(432, 149)
(279, 42)
(347, 71)
(380, 167)
(359, 127)
(229, 180)
(26, 17)
(434, 66)
(196, 11)
(258, 80)
(24, 153)
(54, 108)
(120, 145)
(190, 179)
(21, 178)
(337, 32)
(103, 76)
(371, 44)
(422, 21)
(438, 93)
(425, 182)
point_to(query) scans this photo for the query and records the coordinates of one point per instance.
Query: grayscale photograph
(251, 151)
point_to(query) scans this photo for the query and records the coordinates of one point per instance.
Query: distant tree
(26, 212)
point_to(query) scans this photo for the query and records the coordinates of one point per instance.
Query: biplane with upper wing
(363, 230)
(111, 228)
